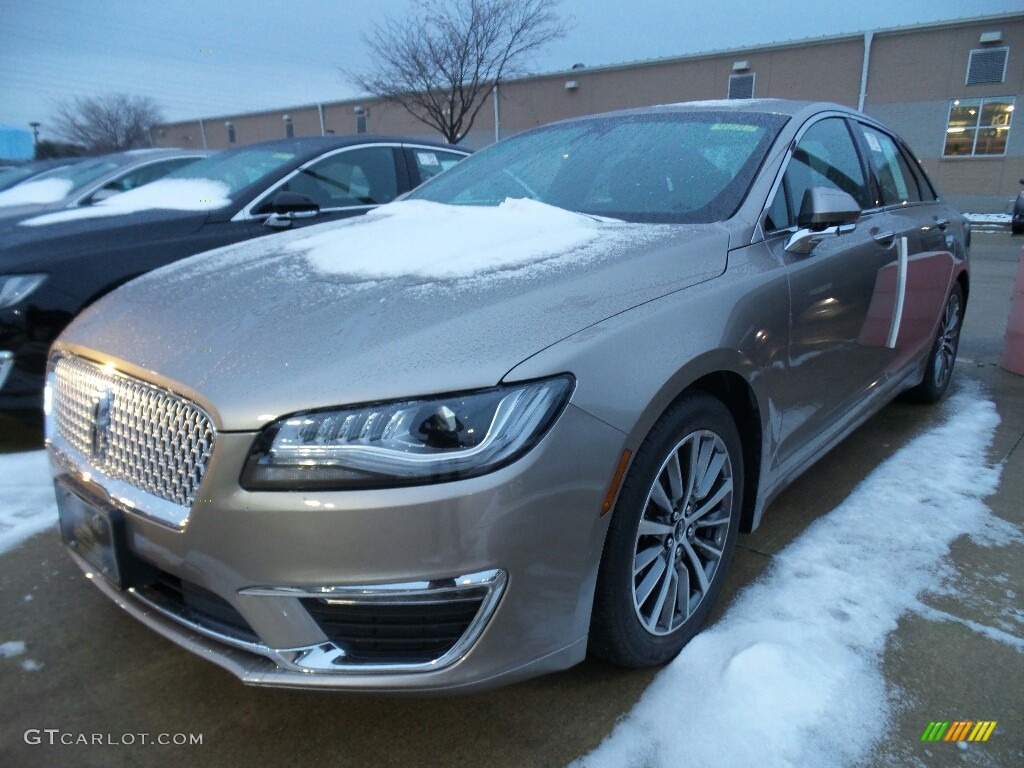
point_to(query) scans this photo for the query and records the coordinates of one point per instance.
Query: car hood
(414, 299)
(26, 248)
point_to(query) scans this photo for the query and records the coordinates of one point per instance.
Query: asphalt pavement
(104, 676)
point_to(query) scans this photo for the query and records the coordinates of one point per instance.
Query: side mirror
(289, 206)
(823, 212)
(102, 194)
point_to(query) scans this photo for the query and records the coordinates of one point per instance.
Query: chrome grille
(131, 431)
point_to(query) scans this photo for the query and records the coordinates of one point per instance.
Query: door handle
(884, 239)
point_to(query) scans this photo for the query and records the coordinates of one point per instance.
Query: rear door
(923, 239)
(841, 303)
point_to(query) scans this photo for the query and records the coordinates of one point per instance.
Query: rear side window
(897, 183)
(826, 157)
(430, 162)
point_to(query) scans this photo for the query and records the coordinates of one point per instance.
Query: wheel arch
(729, 378)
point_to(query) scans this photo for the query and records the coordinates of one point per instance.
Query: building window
(987, 65)
(361, 123)
(741, 86)
(978, 126)
(231, 131)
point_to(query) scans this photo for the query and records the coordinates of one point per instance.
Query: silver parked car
(520, 414)
(90, 180)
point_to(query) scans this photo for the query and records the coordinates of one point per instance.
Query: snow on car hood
(165, 194)
(388, 241)
(417, 299)
(37, 192)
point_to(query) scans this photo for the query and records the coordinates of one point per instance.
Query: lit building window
(978, 127)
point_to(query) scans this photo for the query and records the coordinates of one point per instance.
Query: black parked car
(54, 265)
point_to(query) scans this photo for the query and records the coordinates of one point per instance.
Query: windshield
(237, 169)
(659, 168)
(82, 172)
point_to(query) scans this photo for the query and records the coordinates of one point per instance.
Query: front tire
(671, 537)
(942, 358)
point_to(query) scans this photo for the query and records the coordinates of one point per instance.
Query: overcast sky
(215, 57)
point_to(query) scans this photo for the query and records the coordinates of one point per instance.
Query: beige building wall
(914, 73)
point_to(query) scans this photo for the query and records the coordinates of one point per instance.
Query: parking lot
(955, 657)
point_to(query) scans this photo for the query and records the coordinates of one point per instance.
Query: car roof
(314, 145)
(787, 107)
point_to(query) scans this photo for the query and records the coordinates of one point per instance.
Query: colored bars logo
(959, 730)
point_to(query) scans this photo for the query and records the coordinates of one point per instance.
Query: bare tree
(107, 123)
(441, 62)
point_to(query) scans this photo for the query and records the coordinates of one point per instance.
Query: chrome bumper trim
(6, 365)
(327, 658)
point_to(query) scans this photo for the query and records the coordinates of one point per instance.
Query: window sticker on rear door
(427, 158)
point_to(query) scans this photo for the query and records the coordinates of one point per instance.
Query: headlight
(14, 288)
(412, 442)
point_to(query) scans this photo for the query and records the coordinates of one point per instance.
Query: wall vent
(741, 86)
(987, 65)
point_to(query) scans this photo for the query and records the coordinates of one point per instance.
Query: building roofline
(640, 63)
(798, 43)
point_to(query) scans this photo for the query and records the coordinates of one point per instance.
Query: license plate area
(94, 531)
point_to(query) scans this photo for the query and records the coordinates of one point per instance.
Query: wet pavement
(102, 674)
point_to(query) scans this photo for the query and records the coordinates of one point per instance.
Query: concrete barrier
(1013, 343)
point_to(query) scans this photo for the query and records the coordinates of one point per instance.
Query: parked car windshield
(82, 172)
(237, 169)
(666, 167)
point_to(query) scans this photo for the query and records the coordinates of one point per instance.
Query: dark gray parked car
(519, 415)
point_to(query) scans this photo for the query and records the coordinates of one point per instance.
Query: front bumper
(523, 542)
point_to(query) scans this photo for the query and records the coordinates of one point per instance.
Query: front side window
(661, 168)
(357, 177)
(826, 157)
(978, 127)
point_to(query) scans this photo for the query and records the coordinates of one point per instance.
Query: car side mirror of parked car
(102, 194)
(823, 212)
(289, 206)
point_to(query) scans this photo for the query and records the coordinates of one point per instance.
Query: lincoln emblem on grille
(101, 422)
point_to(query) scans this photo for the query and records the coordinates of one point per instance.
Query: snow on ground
(36, 192)
(988, 218)
(167, 194)
(27, 501)
(12, 648)
(414, 238)
(791, 675)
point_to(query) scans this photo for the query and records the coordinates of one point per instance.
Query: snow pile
(27, 501)
(791, 676)
(36, 192)
(436, 241)
(167, 194)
